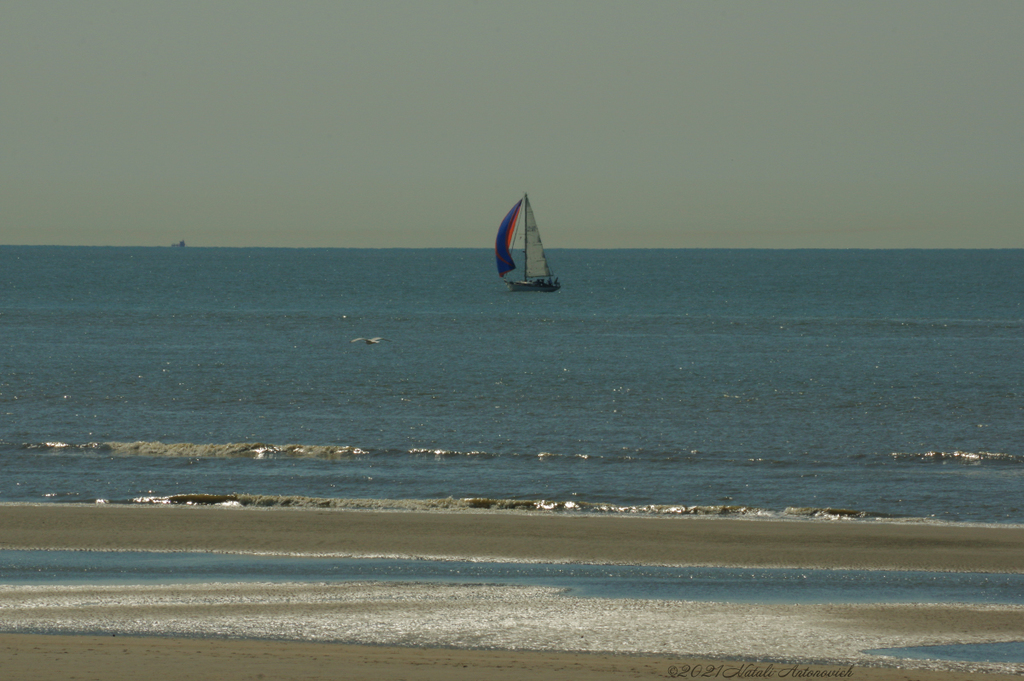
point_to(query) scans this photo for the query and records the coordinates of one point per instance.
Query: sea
(818, 385)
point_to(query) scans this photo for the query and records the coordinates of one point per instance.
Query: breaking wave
(960, 457)
(832, 513)
(248, 450)
(260, 450)
(487, 504)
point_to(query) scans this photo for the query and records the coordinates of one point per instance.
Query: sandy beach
(431, 631)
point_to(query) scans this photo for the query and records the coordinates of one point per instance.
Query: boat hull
(538, 286)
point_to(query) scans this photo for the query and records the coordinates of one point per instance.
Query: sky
(641, 124)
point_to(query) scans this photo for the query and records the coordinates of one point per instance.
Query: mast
(526, 251)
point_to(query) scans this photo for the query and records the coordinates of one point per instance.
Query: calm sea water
(732, 585)
(779, 383)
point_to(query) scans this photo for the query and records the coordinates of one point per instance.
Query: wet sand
(49, 658)
(426, 631)
(513, 536)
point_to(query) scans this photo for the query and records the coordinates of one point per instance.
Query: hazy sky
(631, 124)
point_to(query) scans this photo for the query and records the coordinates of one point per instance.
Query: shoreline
(516, 537)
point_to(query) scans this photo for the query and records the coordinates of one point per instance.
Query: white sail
(536, 263)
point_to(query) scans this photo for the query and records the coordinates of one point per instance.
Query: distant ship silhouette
(180, 244)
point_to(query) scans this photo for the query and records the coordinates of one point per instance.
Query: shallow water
(1006, 651)
(728, 585)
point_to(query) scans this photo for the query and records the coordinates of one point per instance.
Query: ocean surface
(784, 384)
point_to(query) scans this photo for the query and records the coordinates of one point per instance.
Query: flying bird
(368, 341)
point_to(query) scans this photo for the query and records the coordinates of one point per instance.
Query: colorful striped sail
(503, 244)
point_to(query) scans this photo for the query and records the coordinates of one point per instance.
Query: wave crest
(958, 456)
(832, 513)
(249, 450)
(261, 450)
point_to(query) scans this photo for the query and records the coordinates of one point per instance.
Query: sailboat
(537, 274)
